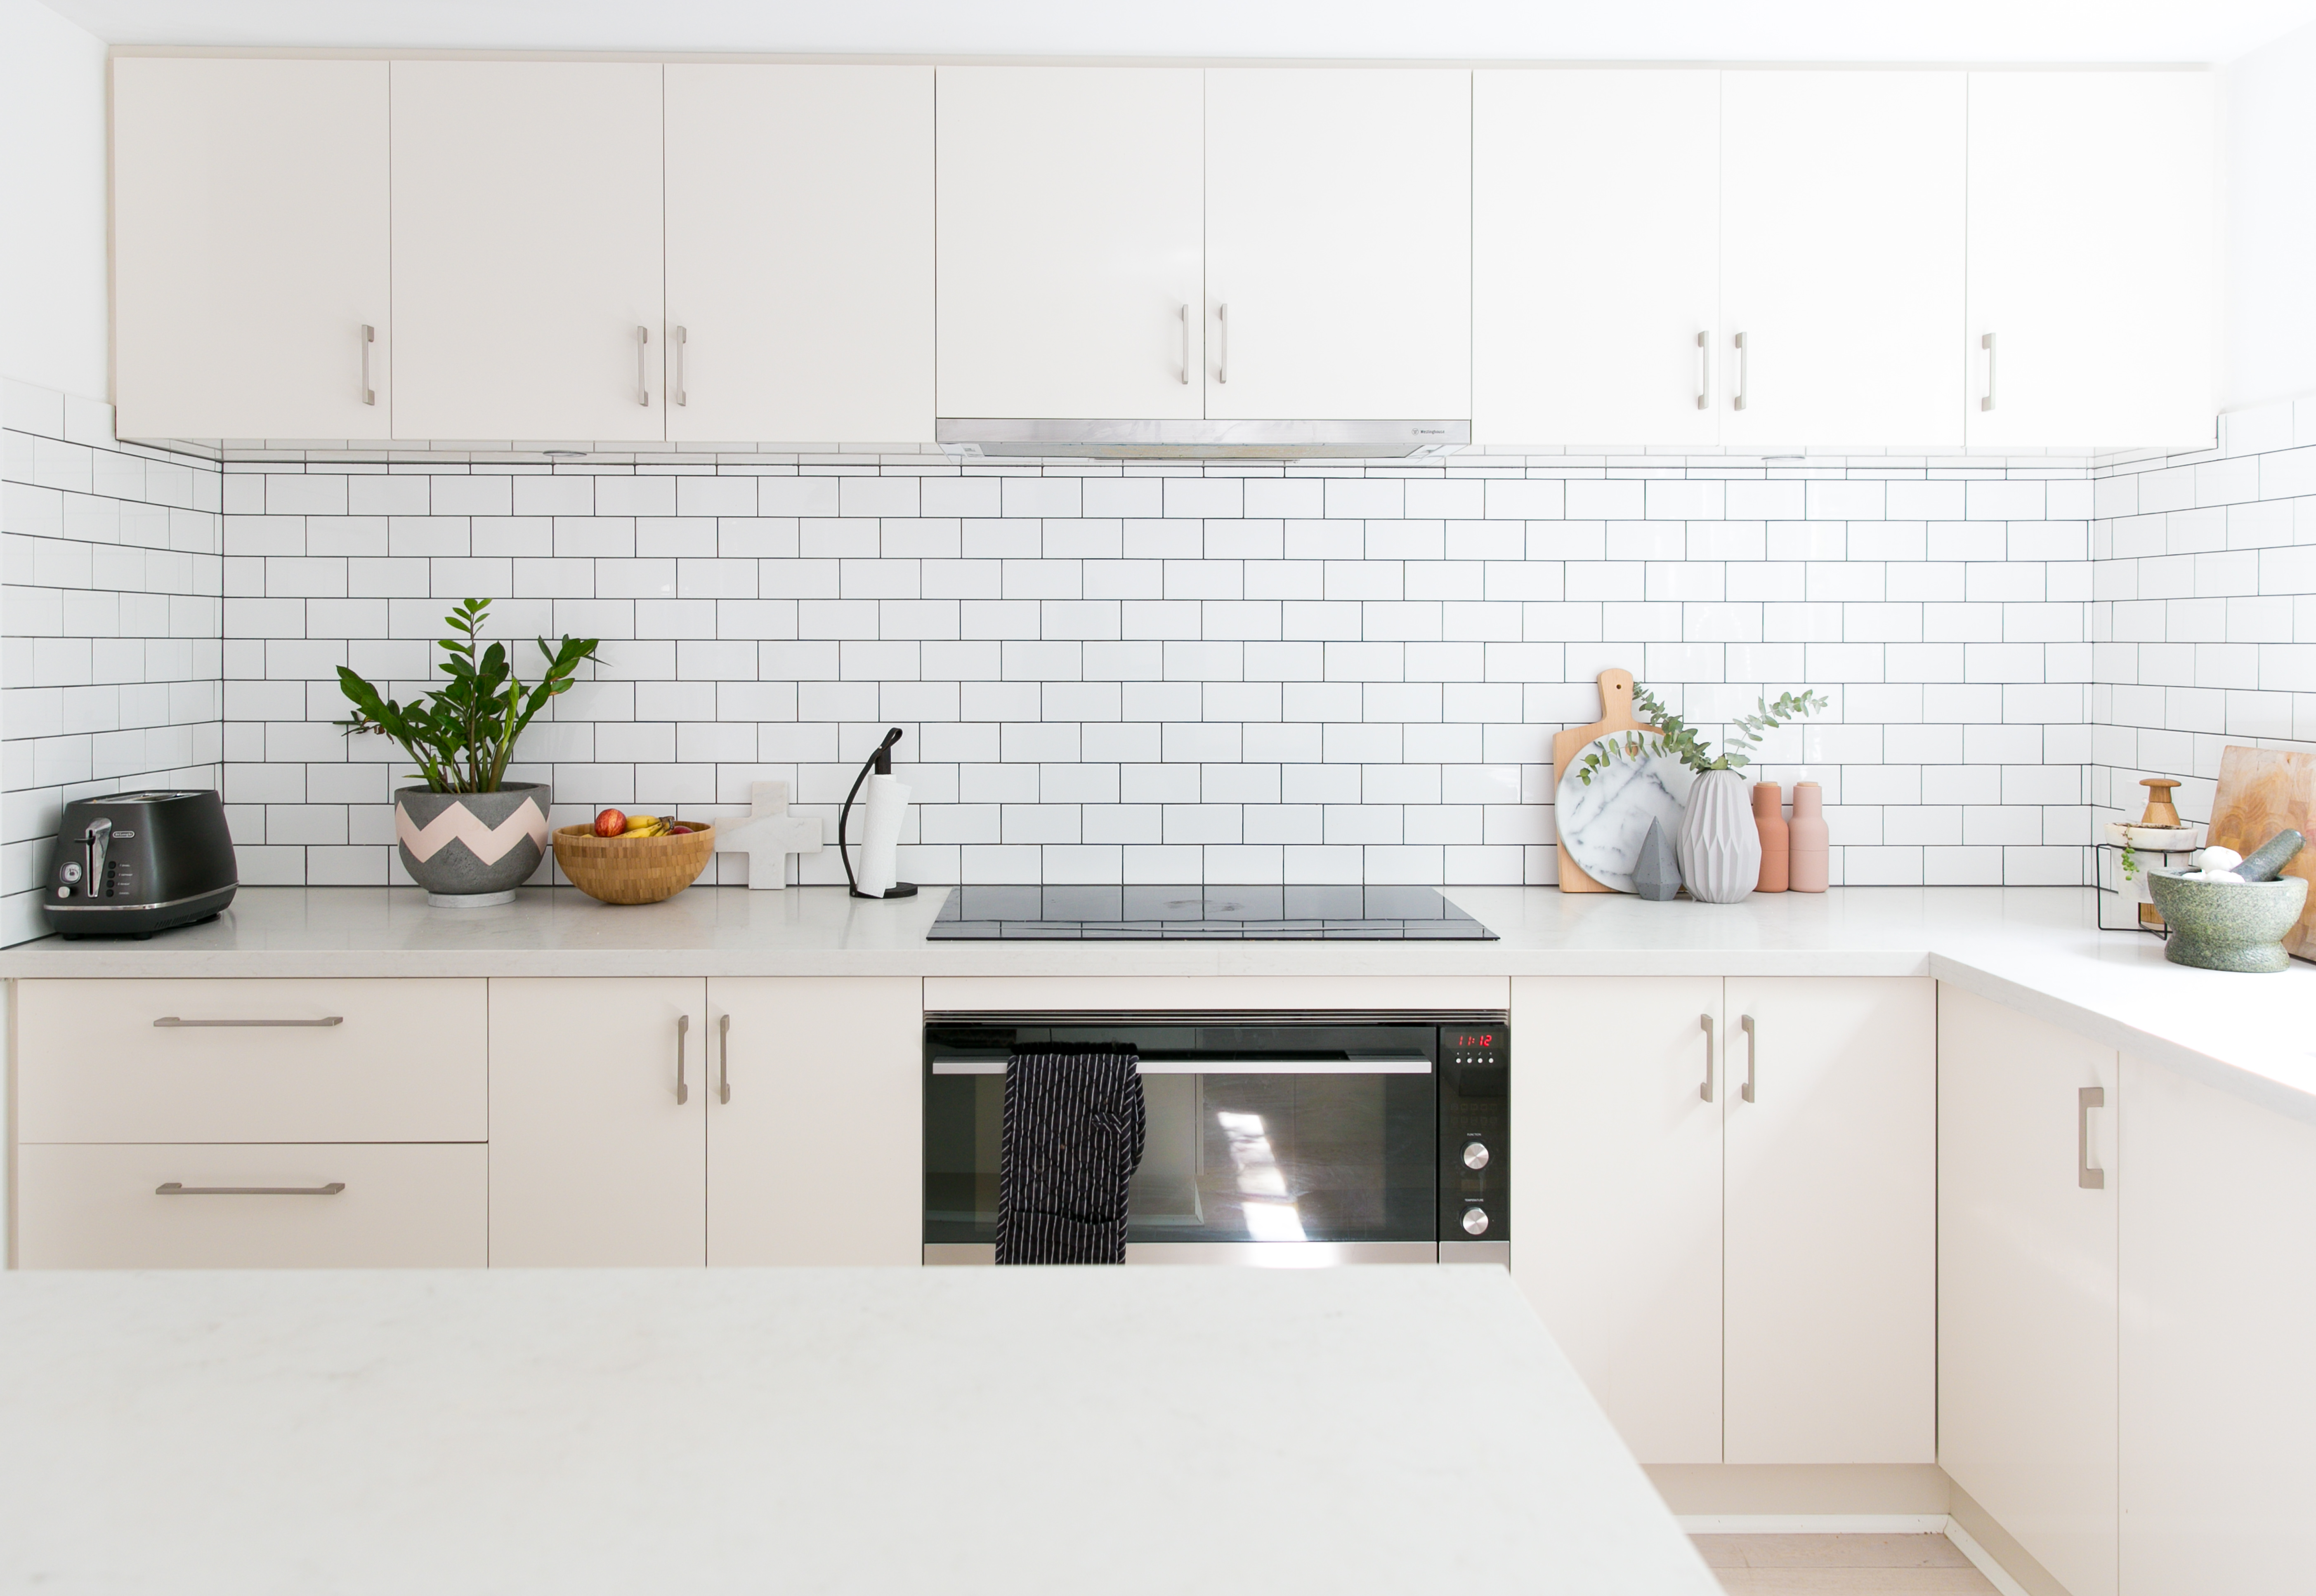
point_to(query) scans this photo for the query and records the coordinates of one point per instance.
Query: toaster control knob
(1475, 1221)
(71, 872)
(1475, 1155)
(64, 891)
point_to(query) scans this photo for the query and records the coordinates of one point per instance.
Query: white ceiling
(1948, 31)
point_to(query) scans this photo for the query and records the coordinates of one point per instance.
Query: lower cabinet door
(1832, 1216)
(2026, 1281)
(339, 1205)
(2218, 1273)
(825, 1099)
(1617, 1207)
(599, 1102)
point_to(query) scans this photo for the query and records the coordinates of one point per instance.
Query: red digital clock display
(1487, 1041)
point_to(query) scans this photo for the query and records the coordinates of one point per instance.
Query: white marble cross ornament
(769, 834)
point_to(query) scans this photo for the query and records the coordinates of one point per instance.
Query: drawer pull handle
(1704, 1023)
(2088, 1098)
(1752, 1058)
(683, 1030)
(171, 1023)
(179, 1189)
(724, 1057)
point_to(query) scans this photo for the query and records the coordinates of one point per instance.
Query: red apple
(610, 823)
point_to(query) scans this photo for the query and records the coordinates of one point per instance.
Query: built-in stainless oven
(1289, 1140)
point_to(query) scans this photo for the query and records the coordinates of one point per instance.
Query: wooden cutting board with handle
(1615, 715)
(2261, 792)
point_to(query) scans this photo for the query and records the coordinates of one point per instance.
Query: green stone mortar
(2216, 926)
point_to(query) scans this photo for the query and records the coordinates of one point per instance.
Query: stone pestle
(2267, 862)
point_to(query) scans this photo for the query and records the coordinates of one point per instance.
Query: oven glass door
(1257, 1135)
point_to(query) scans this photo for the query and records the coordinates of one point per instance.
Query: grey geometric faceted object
(1656, 874)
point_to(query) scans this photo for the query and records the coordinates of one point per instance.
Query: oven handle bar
(1358, 1064)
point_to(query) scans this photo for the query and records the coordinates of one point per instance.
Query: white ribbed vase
(1719, 846)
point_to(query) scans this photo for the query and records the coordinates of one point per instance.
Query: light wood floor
(1841, 1565)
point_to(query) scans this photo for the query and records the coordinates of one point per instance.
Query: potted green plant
(469, 835)
(1720, 846)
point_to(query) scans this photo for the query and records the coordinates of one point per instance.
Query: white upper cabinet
(1339, 244)
(249, 254)
(528, 286)
(2092, 259)
(800, 253)
(1841, 252)
(1071, 242)
(1595, 205)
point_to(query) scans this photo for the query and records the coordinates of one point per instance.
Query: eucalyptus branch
(1670, 735)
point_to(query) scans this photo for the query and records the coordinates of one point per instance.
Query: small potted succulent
(1720, 844)
(469, 835)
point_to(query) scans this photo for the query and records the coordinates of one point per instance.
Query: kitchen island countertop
(1023, 1431)
(2037, 949)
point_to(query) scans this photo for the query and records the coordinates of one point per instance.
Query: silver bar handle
(179, 1189)
(1705, 1022)
(1186, 346)
(1705, 371)
(1987, 344)
(2087, 1099)
(368, 337)
(682, 1031)
(1752, 1058)
(643, 376)
(1744, 371)
(171, 1023)
(1199, 1064)
(1222, 367)
(723, 1057)
(675, 390)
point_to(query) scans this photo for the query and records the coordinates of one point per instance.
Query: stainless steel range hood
(1199, 441)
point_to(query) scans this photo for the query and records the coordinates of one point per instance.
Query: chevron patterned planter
(469, 849)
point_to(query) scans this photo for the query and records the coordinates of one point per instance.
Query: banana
(645, 826)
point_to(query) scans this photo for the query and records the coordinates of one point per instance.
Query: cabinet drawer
(251, 1061)
(98, 1207)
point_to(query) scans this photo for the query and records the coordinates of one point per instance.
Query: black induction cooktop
(1203, 913)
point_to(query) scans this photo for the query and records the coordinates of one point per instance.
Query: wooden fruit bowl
(632, 869)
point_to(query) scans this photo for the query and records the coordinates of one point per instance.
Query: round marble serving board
(1603, 824)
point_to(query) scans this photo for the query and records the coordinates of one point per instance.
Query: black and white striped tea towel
(1074, 1133)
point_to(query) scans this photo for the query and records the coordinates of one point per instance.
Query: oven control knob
(1475, 1155)
(1475, 1221)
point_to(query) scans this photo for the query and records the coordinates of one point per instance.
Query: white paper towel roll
(880, 836)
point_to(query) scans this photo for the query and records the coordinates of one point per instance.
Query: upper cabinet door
(800, 253)
(1321, 302)
(527, 251)
(1841, 252)
(1596, 203)
(250, 256)
(2092, 259)
(1071, 247)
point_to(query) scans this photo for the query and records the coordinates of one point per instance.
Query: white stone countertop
(1013, 1431)
(2033, 948)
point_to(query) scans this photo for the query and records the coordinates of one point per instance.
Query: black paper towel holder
(881, 764)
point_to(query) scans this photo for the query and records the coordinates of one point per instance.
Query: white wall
(2271, 224)
(53, 331)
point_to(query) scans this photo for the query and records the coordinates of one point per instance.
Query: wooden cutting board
(2261, 792)
(1615, 715)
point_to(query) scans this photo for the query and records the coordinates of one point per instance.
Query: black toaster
(138, 862)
